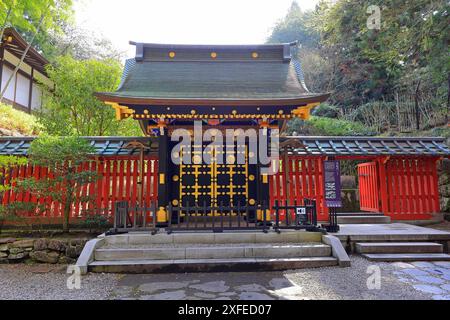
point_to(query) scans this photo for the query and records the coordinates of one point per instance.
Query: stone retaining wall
(44, 250)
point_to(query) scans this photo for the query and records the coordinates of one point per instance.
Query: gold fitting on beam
(122, 112)
(304, 112)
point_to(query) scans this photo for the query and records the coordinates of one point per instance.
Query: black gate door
(227, 183)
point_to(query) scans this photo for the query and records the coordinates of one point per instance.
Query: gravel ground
(399, 281)
(351, 283)
(49, 282)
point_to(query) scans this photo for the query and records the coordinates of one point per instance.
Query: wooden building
(166, 87)
(24, 91)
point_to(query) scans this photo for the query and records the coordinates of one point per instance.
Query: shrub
(62, 155)
(328, 127)
(15, 120)
(95, 222)
(326, 110)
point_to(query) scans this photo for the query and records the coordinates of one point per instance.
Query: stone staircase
(363, 218)
(402, 251)
(197, 252)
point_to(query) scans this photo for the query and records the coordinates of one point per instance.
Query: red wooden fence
(403, 188)
(412, 188)
(118, 182)
(368, 186)
(302, 179)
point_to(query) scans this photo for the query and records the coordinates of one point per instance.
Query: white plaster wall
(9, 94)
(22, 90)
(36, 98)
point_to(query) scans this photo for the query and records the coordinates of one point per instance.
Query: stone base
(210, 265)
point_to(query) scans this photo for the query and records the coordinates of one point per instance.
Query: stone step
(407, 257)
(210, 265)
(398, 247)
(364, 219)
(213, 252)
(212, 238)
(353, 214)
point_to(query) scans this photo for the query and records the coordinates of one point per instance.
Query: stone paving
(428, 277)
(202, 286)
(399, 281)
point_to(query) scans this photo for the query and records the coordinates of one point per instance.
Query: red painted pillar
(435, 185)
(383, 185)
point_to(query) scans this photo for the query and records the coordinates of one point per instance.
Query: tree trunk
(67, 207)
(416, 106)
(448, 101)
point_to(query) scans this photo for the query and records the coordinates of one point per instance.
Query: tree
(62, 156)
(72, 107)
(30, 17)
(295, 27)
(6, 164)
(81, 44)
(341, 54)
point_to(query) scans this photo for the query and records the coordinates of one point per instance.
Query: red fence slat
(118, 181)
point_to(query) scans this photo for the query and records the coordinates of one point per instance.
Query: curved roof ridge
(129, 63)
(299, 71)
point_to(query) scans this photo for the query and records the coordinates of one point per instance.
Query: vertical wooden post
(383, 185)
(141, 177)
(435, 185)
(30, 90)
(263, 186)
(287, 177)
(163, 185)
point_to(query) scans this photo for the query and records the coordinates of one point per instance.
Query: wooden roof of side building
(16, 45)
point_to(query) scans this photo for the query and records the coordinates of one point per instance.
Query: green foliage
(327, 127)
(360, 65)
(128, 128)
(10, 161)
(62, 155)
(82, 44)
(50, 151)
(73, 109)
(326, 110)
(95, 222)
(25, 16)
(441, 132)
(5, 163)
(295, 27)
(18, 121)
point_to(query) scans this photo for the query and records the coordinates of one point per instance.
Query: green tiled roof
(212, 80)
(330, 146)
(368, 146)
(192, 74)
(104, 146)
